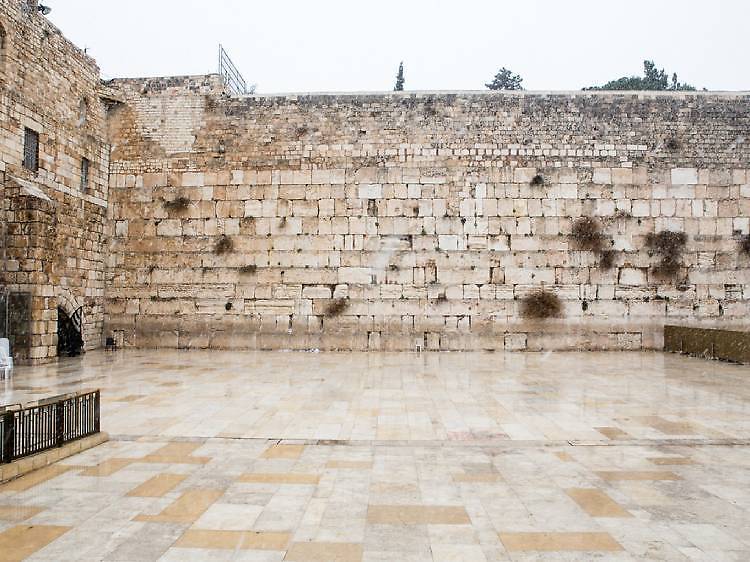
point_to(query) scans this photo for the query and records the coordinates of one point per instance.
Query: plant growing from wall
(541, 304)
(537, 180)
(177, 205)
(745, 245)
(587, 233)
(607, 259)
(248, 269)
(336, 308)
(224, 245)
(669, 246)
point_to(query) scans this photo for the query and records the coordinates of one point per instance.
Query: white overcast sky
(350, 45)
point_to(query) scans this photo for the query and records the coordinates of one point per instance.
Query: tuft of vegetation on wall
(177, 205)
(537, 180)
(541, 304)
(607, 259)
(336, 307)
(248, 269)
(224, 245)
(669, 246)
(587, 232)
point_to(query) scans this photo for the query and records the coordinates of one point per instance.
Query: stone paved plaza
(392, 457)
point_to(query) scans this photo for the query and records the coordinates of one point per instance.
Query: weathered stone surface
(53, 229)
(423, 240)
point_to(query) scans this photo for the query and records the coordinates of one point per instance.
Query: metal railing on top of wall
(234, 82)
(47, 424)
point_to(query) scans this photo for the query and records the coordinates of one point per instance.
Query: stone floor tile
(18, 543)
(279, 478)
(229, 517)
(559, 542)
(670, 461)
(324, 552)
(596, 503)
(186, 509)
(417, 515)
(233, 540)
(283, 452)
(454, 552)
(18, 513)
(615, 475)
(157, 486)
(147, 543)
(35, 478)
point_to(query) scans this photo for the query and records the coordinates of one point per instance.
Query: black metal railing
(234, 83)
(47, 424)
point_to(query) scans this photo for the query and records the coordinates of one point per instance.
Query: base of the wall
(529, 336)
(21, 467)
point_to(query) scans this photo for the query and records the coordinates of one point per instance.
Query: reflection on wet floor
(382, 457)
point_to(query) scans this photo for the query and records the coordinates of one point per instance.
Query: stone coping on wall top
(426, 93)
(508, 93)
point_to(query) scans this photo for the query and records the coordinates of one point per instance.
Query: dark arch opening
(69, 339)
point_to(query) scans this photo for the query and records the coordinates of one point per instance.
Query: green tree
(400, 79)
(652, 79)
(505, 80)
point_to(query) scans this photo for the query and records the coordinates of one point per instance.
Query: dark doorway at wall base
(69, 340)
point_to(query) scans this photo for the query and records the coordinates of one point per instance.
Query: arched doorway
(69, 337)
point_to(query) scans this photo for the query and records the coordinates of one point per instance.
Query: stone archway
(69, 324)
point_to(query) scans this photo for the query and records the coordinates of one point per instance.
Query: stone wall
(397, 221)
(52, 232)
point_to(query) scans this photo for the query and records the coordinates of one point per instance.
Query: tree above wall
(400, 79)
(505, 80)
(652, 79)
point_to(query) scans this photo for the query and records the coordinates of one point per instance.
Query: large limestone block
(357, 275)
(193, 179)
(621, 176)
(529, 276)
(602, 176)
(684, 176)
(632, 276)
(524, 175)
(370, 191)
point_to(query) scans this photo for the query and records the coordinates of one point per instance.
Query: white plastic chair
(6, 360)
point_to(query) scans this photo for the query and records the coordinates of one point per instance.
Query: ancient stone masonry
(53, 220)
(404, 221)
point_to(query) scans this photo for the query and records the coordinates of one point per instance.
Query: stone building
(54, 162)
(395, 221)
